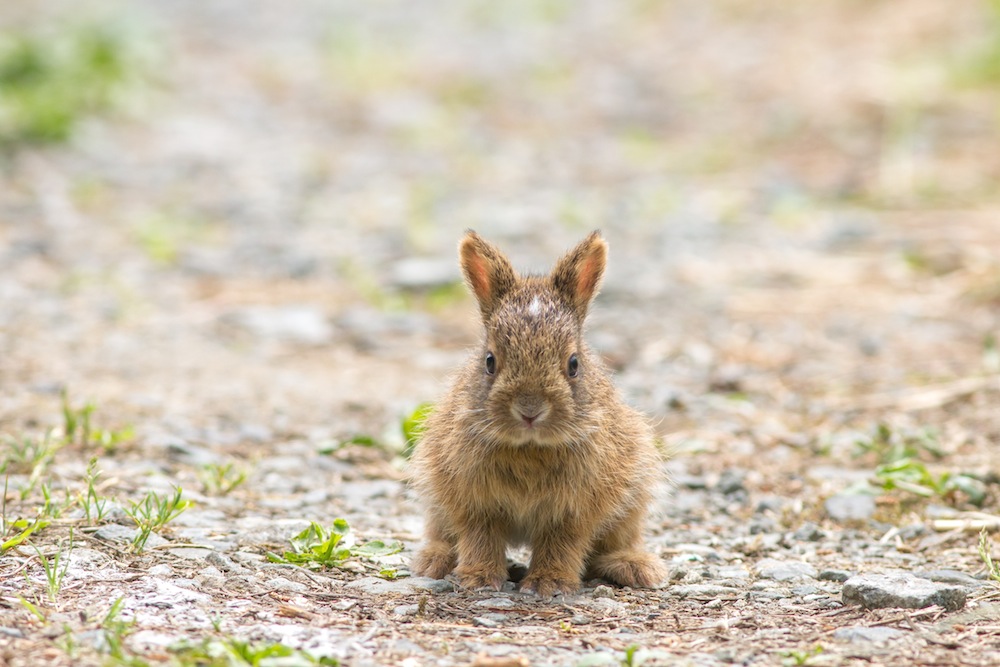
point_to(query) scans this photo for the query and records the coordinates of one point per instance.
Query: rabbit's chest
(528, 493)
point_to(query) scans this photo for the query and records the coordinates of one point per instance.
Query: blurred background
(239, 223)
(227, 263)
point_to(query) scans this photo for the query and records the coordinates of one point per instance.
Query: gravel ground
(250, 262)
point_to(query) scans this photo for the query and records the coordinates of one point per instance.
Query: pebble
(377, 586)
(282, 584)
(690, 481)
(834, 575)
(731, 481)
(952, 577)
(703, 591)
(901, 589)
(861, 633)
(406, 610)
(484, 622)
(779, 570)
(603, 591)
(849, 507)
(809, 532)
(225, 563)
(706, 552)
(210, 577)
(495, 603)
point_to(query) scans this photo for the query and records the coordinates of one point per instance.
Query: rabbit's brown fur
(533, 453)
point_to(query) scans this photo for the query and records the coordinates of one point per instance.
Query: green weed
(153, 513)
(913, 477)
(53, 573)
(78, 429)
(220, 479)
(33, 610)
(333, 445)
(633, 656)
(986, 554)
(26, 528)
(316, 548)
(232, 652)
(887, 445)
(94, 506)
(796, 657)
(24, 455)
(53, 509)
(984, 65)
(413, 427)
(50, 82)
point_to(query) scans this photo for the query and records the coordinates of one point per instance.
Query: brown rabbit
(532, 444)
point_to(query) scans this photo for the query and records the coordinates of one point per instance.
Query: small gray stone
(809, 532)
(210, 573)
(703, 591)
(115, 533)
(579, 619)
(834, 575)
(406, 610)
(690, 481)
(376, 586)
(850, 507)
(603, 591)
(484, 622)
(775, 594)
(225, 563)
(405, 646)
(496, 603)
(429, 585)
(282, 584)
(901, 589)
(860, 633)
(685, 551)
(779, 570)
(190, 553)
(736, 572)
(952, 577)
(161, 570)
(731, 481)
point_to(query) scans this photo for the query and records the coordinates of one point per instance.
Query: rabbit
(532, 444)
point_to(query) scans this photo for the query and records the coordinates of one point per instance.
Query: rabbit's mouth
(530, 416)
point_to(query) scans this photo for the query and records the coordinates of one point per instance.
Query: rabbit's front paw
(481, 577)
(435, 560)
(634, 568)
(547, 585)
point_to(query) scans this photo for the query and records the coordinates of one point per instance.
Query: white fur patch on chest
(535, 307)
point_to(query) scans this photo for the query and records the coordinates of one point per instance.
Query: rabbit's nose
(529, 409)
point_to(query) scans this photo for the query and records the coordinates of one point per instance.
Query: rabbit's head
(537, 382)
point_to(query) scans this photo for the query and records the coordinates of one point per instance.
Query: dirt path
(246, 266)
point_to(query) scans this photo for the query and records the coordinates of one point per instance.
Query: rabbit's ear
(487, 271)
(578, 275)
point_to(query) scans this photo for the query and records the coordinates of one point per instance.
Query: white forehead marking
(535, 307)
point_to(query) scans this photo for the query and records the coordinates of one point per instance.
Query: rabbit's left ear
(577, 276)
(487, 271)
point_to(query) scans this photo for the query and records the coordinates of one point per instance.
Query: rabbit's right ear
(487, 271)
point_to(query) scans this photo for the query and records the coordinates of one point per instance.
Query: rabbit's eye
(491, 363)
(573, 366)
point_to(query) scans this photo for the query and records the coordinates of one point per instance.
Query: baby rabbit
(532, 444)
